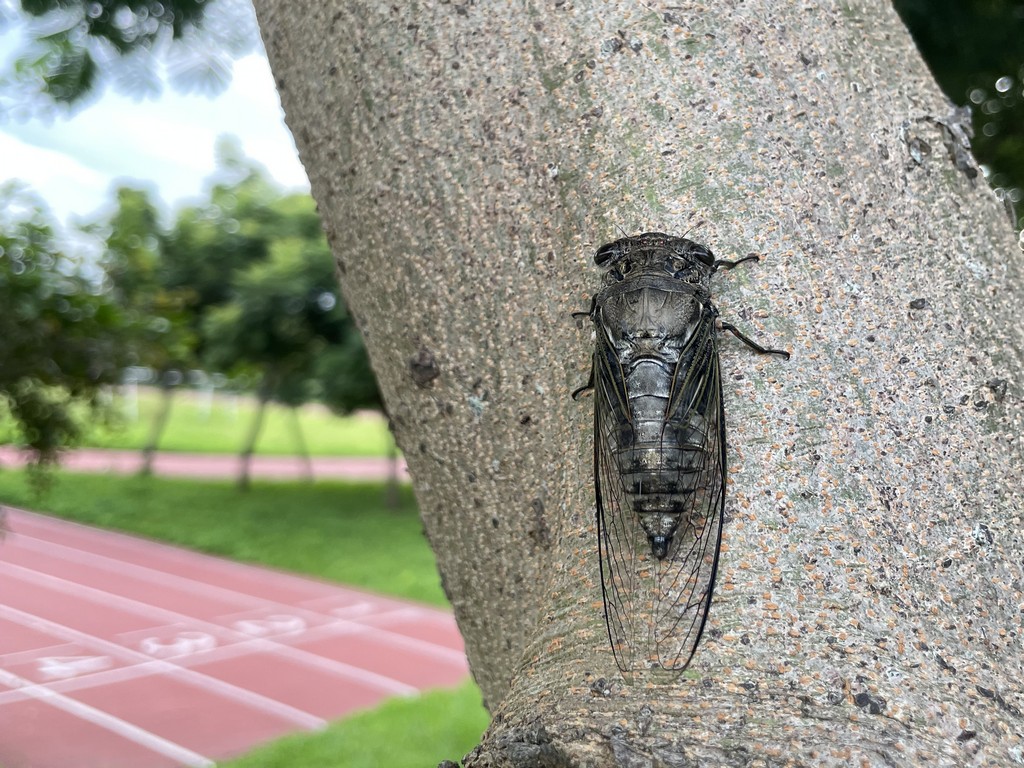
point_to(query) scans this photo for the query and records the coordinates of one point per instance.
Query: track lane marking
(106, 721)
(152, 666)
(169, 617)
(199, 588)
(254, 573)
(198, 679)
(144, 573)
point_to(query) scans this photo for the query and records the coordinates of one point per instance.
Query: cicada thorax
(660, 446)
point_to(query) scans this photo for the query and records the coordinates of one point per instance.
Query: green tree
(161, 334)
(230, 231)
(243, 282)
(342, 374)
(283, 316)
(61, 339)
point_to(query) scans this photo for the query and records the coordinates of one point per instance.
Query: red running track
(207, 465)
(124, 653)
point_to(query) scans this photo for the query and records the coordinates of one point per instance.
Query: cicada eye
(606, 253)
(702, 254)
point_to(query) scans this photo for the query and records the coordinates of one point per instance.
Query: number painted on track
(183, 644)
(278, 624)
(63, 667)
(355, 609)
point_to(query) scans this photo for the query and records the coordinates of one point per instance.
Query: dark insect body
(659, 445)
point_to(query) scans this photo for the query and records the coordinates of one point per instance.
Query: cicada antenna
(726, 264)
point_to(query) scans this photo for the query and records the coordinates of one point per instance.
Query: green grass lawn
(343, 532)
(403, 733)
(219, 424)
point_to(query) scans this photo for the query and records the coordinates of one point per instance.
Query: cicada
(659, 444)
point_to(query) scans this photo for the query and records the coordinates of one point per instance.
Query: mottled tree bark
(469, 157)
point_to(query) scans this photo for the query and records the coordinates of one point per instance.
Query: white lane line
(340, 627)
(189, 676)
(154, 666)
(90, 680)
(184, 583)
(366, 611)
(107, 721)
(411, 643)
(140, 572)
(166, 616)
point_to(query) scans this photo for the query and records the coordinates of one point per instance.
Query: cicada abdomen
(659, 445)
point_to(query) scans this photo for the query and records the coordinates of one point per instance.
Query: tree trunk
(156, 431)
(300, 444)
(249, 447)
(392, 497)
(469, 158)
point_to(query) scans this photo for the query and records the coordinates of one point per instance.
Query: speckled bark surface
(469, 158)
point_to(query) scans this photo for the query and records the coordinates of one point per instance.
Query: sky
(167, 144)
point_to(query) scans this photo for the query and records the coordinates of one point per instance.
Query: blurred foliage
(281, 314)
(210, 243)
(61, 338)
(160, 333)
(975, 49)
(75, 48)
(242, 283)
(264, 293)
(343, 377)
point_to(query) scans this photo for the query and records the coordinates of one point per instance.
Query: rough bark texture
(468, 158)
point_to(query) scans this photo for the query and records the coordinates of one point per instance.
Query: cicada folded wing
(685, 580)
(621, 544)
(656, 599)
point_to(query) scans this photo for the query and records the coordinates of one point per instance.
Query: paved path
(200, 465)
(117, 652)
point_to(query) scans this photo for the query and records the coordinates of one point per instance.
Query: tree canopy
(975, 48)
(282, 316)
(61, 337)
(76, 48)
(241, 283)
(159, 332)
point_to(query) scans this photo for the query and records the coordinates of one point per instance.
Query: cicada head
(656, 254)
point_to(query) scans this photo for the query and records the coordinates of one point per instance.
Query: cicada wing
(620, 540)
(683, 582)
